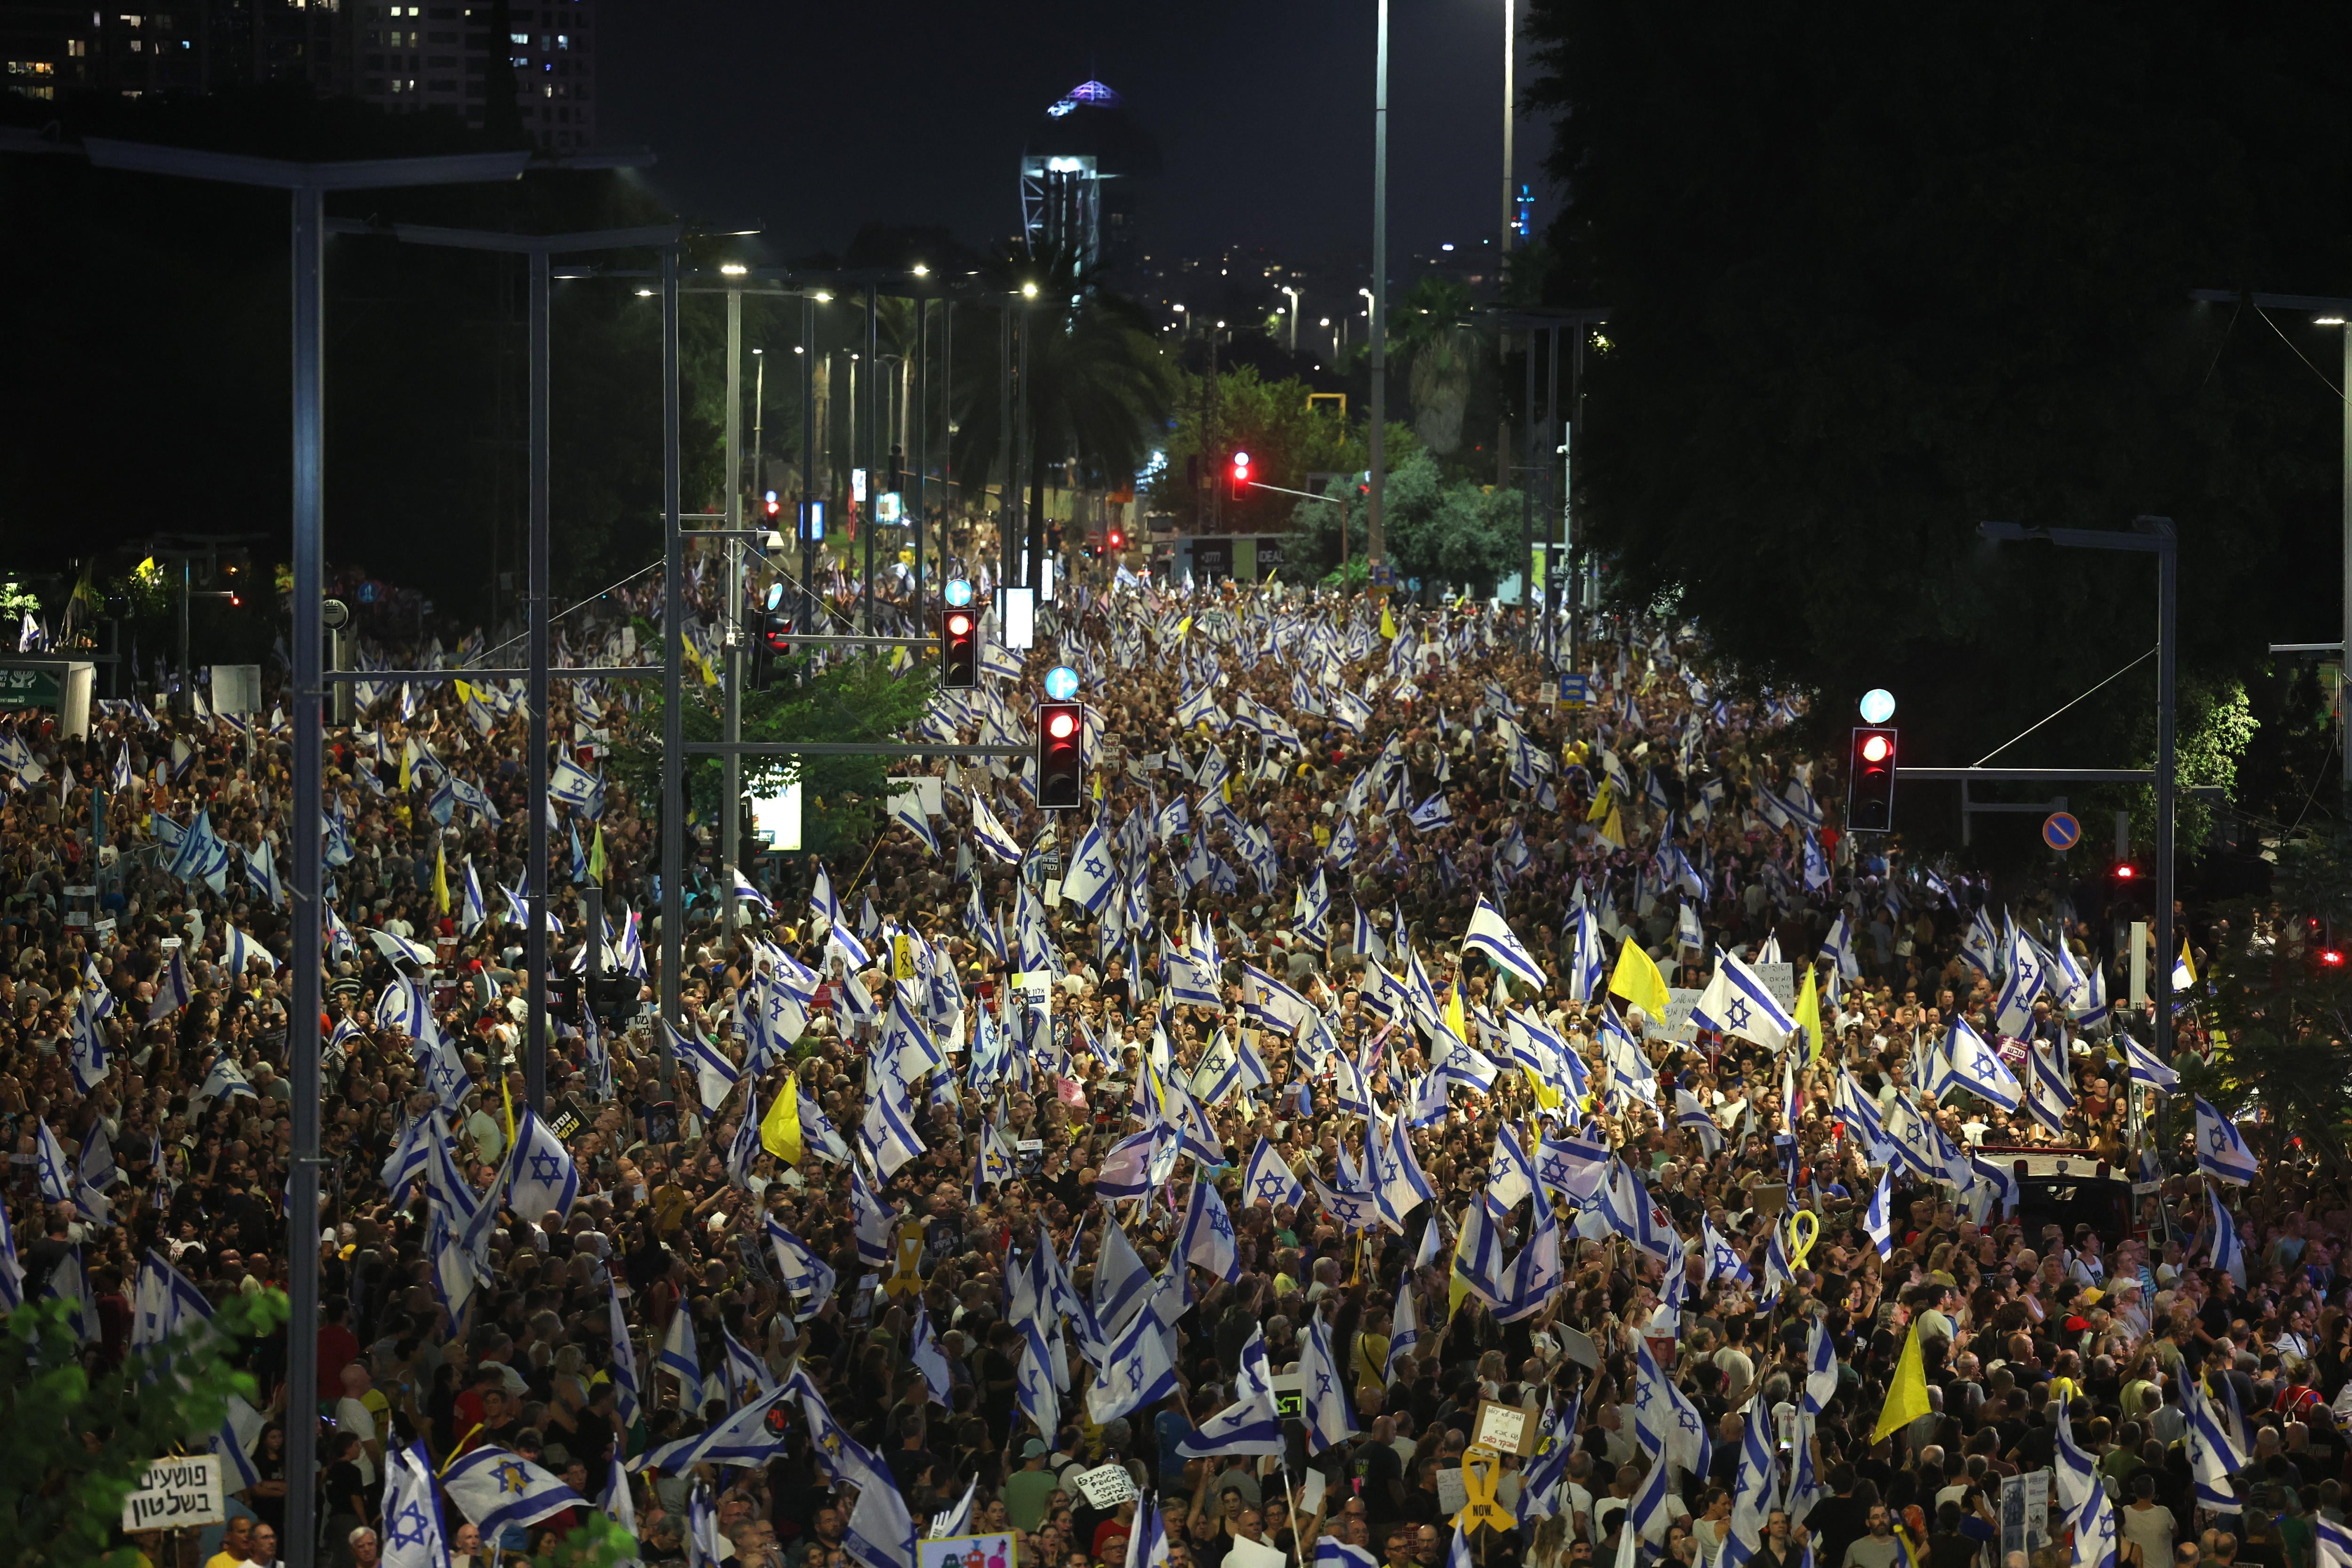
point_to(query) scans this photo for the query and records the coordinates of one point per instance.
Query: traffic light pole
(730, 640)
(673, 816)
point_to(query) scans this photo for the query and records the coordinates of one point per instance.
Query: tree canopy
(1875, 277)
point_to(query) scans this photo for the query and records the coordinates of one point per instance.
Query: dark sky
(815, 117)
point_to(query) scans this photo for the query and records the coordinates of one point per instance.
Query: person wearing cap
(1028, 1489)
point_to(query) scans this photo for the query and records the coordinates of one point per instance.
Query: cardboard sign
(1505, 1428)
(1106, 1486)
(177, 1494)
(1780, 980)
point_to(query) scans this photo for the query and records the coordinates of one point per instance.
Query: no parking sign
(2061, 831)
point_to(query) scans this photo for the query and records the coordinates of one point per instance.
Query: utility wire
(2301, 355)
(2046, 717)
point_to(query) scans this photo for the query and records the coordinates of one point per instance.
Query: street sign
(1575, 689)
(2061, 831)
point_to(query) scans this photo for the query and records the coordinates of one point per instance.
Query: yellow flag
(466, 693)
(1613, 829)
(1546, 1096)
(1387, 622)
(1456, 1019)
(1809, 1016)
(1637, 980)
(596, 856)
(1906, 1397)
(1099, 786)
(779, 1129)
(507, 1094)
(1605, 801)
(1182, 627)
(440, 876)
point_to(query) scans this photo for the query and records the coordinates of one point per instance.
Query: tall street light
(1379, 291)
(2153, 536)
(1293, 317)
(2336, 313)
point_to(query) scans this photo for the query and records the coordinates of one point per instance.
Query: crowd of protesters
(1305, 802)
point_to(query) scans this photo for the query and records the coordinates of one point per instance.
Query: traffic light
(771, 643)
(1115, 540)
(772, 510)
(1870, 780)
(1241, 470)
(897, 484)
(1061, 774)
(959, 651)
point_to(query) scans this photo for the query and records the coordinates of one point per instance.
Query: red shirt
(338, 1348)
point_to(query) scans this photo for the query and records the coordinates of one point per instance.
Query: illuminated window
(77, 47)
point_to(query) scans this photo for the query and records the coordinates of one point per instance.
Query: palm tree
(1431, 330)
(1100, 387)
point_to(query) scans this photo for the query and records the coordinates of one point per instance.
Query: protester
(1382, 1035)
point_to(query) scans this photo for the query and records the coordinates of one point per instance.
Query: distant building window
(32, 68)
(442, 62)
(448, 39)
(27, 90)
(447, 86)
(373, 87)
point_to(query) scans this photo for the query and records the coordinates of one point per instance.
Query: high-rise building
(404, 58)
(427, 57)
(1077, 181)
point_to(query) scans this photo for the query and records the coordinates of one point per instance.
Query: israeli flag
(2145, 1067)
(2050, 1096)
(240, 952)
(990, 834)
(1974, 1068)
(1269, 1180)
(714, 1073)
(1091, 872)
(923, 1350)
(545, 1178)
(2229, 1253)
(2221, 1152)
(743, 1438)
(172, 991)
(415, 1534)
(1328, 1420)
(88, 1054)
(1510, 1175)
(1249, 1425)
(1431, 814)
(1136, 1369)
(1876, 1219)
(2076, 1472)
(498, 1491)
(1399, 1184)
(2214, 1456)
(804, 1274)
(2095, 1532)
(627, 1392)
(163, 1302)
(1489, 933)
(50, 1165)
(681, 1359)
(1736, 1003)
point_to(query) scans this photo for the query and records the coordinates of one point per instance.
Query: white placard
(1780, 980)
(1106, 1486)
(1679, 1002)
(926, 788)
(177, 1494)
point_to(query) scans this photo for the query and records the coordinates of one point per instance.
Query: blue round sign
(2061, 831)
(1061, 683)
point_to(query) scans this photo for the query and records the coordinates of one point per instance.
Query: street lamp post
(1293, 317)
(1380, 357)
(2337, 313)
(2153, 536)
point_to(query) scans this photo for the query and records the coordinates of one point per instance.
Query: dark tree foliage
(1876, 276)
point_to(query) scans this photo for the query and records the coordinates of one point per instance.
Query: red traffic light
(1874, 750)
(2126, 873)
(1061, 726)
(1117, 540)
(958, 625)
(1870, 780)
(2331, 958)
(1241, 474)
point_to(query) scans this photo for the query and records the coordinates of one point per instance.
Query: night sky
(812, 118)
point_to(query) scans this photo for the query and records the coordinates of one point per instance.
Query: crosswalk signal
(1061, 772)
(959, 651)
(1870, 780)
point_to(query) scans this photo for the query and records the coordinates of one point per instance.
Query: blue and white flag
(1431, 814)
(498, 1491)
(1491, 934)
(1974, 1068)
(1249, 1425)
(172, 991)
(415, 1534)
(545, 1179)
(627, 1392)
(923, 1350)
(2076, 1472)
(682, 1359)
(2147, 1067)
(1207, 1237)
(239, 952)
(2221, 1150)
(164, 1302)
(1736, 1002)
(1327, 1418)
(2229, 1253)
(874, 1221)
(1269, 1180)
(2096, 1533)
(1136, 1369)
(990, 834)
(1875, 1219)
(743, 1438)
(51, 1166)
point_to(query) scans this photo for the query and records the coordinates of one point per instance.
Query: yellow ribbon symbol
(1482, 1473)
(1804, 1226)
